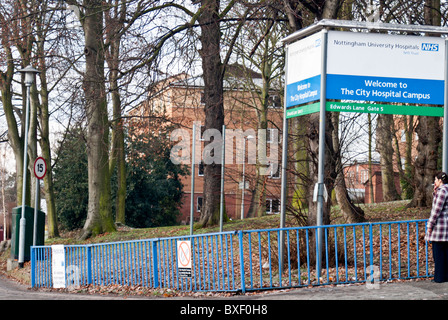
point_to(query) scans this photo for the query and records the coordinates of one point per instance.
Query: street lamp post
(244, 174)
(29, 73)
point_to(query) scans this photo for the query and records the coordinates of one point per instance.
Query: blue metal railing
(249, 260)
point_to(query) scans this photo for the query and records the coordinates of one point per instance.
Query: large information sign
(381, 70)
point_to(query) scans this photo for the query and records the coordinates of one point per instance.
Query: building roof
(236, 78)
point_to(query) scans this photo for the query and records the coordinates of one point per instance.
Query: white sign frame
(365, 67)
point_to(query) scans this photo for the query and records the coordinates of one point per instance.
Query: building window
(274, 101)
(199, 204)
(201, 169)
(202, 98)
(201, 135)
(350, 176)
(364, 176)
(275, 171)
(272, 206)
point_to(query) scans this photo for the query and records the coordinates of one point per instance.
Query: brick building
(179, 100)
(358, 182)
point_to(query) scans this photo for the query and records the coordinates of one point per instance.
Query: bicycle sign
(40, 168)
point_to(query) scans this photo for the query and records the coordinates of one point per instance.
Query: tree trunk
(408, 165)
(386, 151)
(429, 134)
(329, 167)
(15, 137)
(429, 138)
(118, 156)
(115, 18)
(351, 213)
(15, 140)
(99, 217)
(44, 120)
(323, 10)
(214, 108)
(258, 202)
(52, 220)
(257, 206)
(370, 134)
(301, 169)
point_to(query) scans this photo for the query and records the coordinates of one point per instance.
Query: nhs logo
(430, 47)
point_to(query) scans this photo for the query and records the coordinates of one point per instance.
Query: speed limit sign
(40, 168)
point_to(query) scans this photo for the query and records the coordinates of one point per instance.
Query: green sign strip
(366, 108)
(384, 109)
(302, 110)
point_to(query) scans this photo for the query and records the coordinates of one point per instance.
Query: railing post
(155, 270)
(89, 264)
(371, 253)
(371, 243)
(33, 267)
(243, 281)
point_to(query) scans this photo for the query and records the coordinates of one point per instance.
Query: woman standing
(437, 227)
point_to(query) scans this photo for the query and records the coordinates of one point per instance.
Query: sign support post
(320, 171)
(223, 157)
(40, 169)
(445, 115)
(283, 189)
(193, 165)
(36, 204)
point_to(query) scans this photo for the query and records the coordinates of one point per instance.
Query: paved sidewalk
(405, 290)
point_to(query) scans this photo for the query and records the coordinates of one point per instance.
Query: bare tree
(429, 134)
(259, 49)
(351, 213)
(99, 215)
(115, 17)
(321, 10)
(11, 31)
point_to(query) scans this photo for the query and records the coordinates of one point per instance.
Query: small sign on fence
(184, 258)
(58, 265)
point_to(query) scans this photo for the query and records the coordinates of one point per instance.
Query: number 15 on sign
(40, 168)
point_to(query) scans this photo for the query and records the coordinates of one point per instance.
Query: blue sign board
(398, 90)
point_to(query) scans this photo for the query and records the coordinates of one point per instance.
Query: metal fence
(249, 260)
